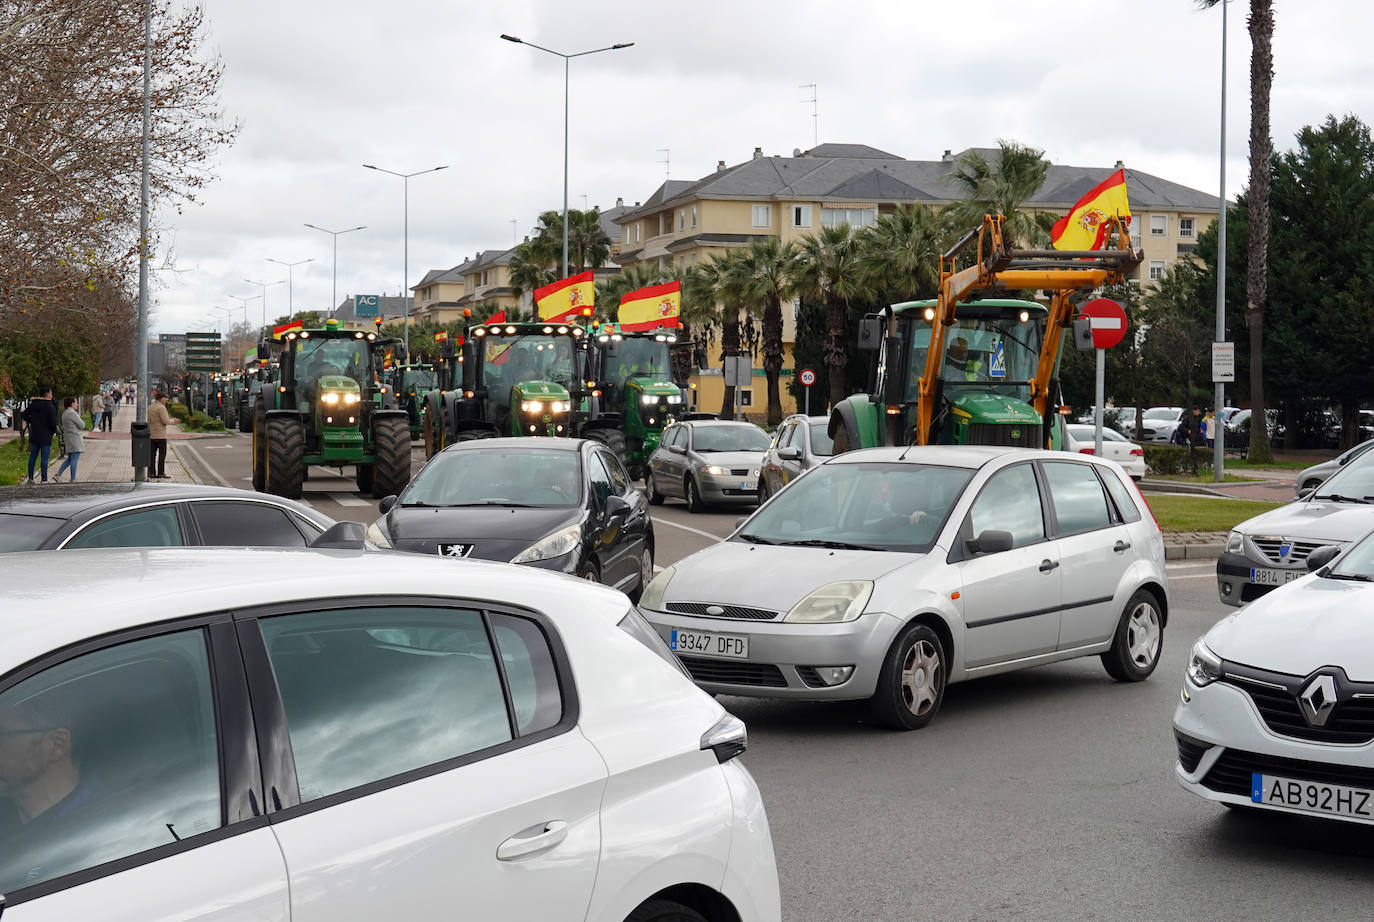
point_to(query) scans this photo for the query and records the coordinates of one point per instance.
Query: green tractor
(973, 366)
(637, 394)
(409, 384)
(326, 408)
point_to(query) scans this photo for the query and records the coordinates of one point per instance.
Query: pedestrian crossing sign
(999, 361)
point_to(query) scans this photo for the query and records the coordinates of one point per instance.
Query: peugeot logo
(1318, 699)
(455, 550)
(714, 610)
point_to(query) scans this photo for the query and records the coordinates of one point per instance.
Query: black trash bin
(141, 445)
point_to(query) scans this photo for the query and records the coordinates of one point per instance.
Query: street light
(566, 58)
(290, 294)
(405, 236)
(264, 286)
(335, 234)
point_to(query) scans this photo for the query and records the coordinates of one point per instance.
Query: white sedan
(355, 735)
(1277, 707)
(1115, 447)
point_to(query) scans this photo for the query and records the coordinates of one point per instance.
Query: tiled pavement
(105, 455)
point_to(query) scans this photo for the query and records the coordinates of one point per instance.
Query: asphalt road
(1043, 794)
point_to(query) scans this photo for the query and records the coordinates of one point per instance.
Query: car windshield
(1357, 563)
(822, 445)
(729, 438)
(1161, 413)
(1354, 482)
(25, 532)
(497, 477)
(885, 506)
(1088, 434)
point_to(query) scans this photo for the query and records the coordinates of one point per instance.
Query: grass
(1204, 513)
(1204, 478)
(1278, 465)
(14, 464)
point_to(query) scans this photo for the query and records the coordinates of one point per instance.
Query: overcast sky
(321, 87)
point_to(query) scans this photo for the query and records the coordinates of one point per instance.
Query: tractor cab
(521, 379)
(638, 396)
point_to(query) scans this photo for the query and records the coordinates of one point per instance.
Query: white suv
(355, 734)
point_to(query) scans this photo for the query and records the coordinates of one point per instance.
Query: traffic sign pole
(1101, 399)
(1108, 321)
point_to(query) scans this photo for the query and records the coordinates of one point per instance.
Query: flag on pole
(279, 332)
(652, 307)
(441, 336)
(567, 298)
(1085, 226)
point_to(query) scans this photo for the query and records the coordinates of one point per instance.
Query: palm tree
(767, 269)
(528, 270)
(719, 282)
(1261, 179)
(828, 267)
(1002, 186)
(900, 254)
(588, 244)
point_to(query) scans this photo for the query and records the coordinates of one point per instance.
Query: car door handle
(532, 841)
(1048, 565)
(1121, 546)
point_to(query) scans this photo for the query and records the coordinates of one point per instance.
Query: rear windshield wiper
(1338, 498)
(1356, 577)
(823, 542)
(755, 539)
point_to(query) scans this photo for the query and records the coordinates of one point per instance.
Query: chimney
(948, 156)
(758, 152)
(796, 152)
(1120, 165)
(720, 166)
(619, 202)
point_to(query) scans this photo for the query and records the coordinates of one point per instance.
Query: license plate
(709, 643)
(749, 485)
(1265, 576)
(1312, 796)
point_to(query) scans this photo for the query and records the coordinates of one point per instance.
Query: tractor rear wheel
(469, 435)
(285, 456)
(613, 439)
(246, 418)
(391, 445)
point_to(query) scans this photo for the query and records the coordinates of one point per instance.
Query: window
(602, 486)
(694, 216)
(681, 219)
(801, 215)
(627, 233)
(1156, 269)
(679, 437)
(636, 233)
(798, 436)
(533, 680)
(1079, 504)
(129, 733)
(1185, 228)
(1009, 501)
(374, 692)
(1125, 503)
(155, 527)
(237, 524)
(854, 217)
(1159, 225)
(619, 477)
(761, 216)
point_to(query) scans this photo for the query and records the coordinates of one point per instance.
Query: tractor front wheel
(258, 426)
(613, 439)
(285, 456)
(391, 444)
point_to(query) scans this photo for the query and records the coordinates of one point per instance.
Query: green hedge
(1173, 459)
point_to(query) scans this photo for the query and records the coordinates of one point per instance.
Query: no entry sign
(1108, 320)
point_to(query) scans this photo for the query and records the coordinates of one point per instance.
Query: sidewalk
(105, 456)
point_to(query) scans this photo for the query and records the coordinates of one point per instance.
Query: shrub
(1173, 459)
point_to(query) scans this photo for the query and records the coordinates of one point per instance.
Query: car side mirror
(989, 541)
(790, 453)
(1322, 556)
(1306, 492)
(387, 504)
(617, 507)
(677, 449)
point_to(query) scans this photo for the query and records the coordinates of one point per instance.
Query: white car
(358, 735)
(886, 574)
(1115, 447)
(1157, 424)
(1277, 707)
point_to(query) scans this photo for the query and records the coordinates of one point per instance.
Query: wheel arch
(712, 904)
(940, 626)
(1161, 598)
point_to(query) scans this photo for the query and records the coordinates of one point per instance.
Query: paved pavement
(105, 456)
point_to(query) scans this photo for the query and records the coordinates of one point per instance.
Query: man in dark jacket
(41, 416)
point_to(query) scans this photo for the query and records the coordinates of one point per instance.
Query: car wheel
(1138, 640)
(588, 571)
(693, 495)
(911, 685)
(664, 911)
(646, 573)
(651, 491)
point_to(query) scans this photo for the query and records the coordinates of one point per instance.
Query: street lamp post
(264, 286)
(1219, 431)
(335, 234)
(290, 286)
(405, 236)
(566, 59)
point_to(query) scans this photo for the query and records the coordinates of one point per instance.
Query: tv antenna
(667, 162)
(815, 113)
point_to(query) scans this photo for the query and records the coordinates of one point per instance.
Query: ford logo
(714, 610)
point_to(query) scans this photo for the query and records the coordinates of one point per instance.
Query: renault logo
(1318, 699)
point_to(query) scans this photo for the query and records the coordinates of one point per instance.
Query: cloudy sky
(321, 87)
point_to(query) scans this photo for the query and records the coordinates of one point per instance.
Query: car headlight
(716, 470)
(652, 596)
(561, 542)
(1235, 543)
(377, 535)
(1204, 666)
(834, 602)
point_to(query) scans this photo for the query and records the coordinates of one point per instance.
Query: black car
(82, 515)
(559, 504)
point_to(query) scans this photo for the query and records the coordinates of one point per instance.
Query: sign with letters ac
(1223, 363)
(366, 305)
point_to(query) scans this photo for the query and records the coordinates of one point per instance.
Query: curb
(1171, 486)
(1193, 551)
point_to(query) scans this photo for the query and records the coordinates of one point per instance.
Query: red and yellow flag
(279, 332)
(650, 308)
(1085, 226)
(567, 299)
(441, 336)
(498, 317)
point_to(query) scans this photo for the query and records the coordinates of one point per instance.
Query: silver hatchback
(888, 573)
(800, 443)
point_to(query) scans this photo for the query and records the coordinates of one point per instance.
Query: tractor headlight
(675, 398)
(532, 406)
(558, 406)
(648, 398)
(561, 542)
(351, 398)
(330, 398)
(833, 602)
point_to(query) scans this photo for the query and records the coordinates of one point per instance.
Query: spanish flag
(650, 308)
(441, 336)
(567, 299)
(1085, 226)
(279, 332)
(498, 317)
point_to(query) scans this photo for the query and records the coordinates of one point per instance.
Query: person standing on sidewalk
(158, 420)
(41, 415)
(107, 421)
(98, 411)
(73, 433)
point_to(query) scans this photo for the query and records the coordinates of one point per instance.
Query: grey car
(885, 574)
(1312, 477)
(800, 443)
(707, 461)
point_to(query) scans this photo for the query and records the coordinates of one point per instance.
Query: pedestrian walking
(158, 420)
(107, 420)
(73, 436)
(97, 411)
(41, 416)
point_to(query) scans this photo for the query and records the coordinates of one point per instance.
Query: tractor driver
(959, 365)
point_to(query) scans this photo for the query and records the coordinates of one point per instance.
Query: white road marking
(1174, 579)
(1192, 566)
(695, 531)
(343, 499)
(201, 461)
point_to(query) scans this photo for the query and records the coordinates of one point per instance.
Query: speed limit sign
(808, 377)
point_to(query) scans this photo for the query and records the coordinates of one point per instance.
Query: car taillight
(1087, 451)
(1137, 452)
(1135, 486)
